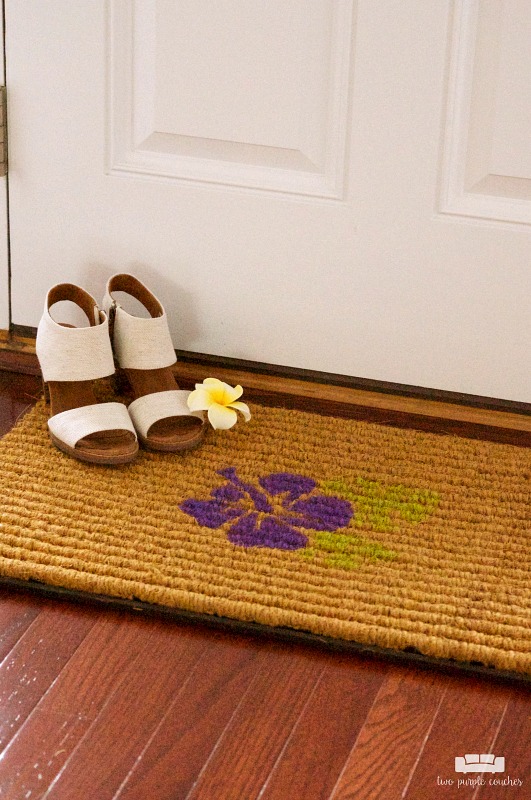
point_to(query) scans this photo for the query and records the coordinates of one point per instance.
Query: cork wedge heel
(71, 359)
(144, 354)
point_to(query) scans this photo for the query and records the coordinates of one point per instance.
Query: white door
(4, 260)
(325, 184)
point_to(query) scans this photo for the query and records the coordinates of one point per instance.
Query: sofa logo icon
(486, 762)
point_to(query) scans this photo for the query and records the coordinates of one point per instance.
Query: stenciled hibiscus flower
(272, 515)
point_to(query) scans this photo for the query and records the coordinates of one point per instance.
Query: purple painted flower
(272, 515)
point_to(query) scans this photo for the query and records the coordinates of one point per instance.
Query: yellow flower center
(219, 396)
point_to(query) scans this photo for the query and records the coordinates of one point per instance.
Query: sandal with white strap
(144, 352)
(71, 358)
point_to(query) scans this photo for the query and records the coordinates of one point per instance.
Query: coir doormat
(345, 529)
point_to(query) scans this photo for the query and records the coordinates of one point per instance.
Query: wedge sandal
(71, 359)
(144, 353)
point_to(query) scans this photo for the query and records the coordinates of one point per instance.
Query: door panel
(239, 94)
(293, 178)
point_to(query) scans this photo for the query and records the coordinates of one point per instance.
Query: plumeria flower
(219, 400)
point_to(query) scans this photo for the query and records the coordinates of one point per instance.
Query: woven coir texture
(346, 529)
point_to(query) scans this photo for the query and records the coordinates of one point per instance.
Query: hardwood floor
(103, 704)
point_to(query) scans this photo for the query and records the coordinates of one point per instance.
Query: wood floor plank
(107, 753)
(98, 666)
(254, 738)
(16, 615)
(514, 743)
(467, 722)
(194, 722)
(38, 753)
(392, 738)
(17, 394)
(36, 661)
(96, 670)
(326, 731)
(50, 734)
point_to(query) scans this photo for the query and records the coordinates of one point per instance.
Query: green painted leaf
(378, 506)
(346, 551)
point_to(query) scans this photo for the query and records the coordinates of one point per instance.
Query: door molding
(314, 166)
(470, 185)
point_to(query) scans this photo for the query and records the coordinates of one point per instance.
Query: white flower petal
(231, 393)
(244, 408)
(213, 382)
(221, 418)
(199, 399)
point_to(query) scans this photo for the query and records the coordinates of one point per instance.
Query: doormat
(343, 529)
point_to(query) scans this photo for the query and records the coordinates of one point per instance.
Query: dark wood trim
(16, 361)
(23, 332)
(473, 420)
(23, 337)
(17, 352)
(397, 410)
(409, 656)
(349, 382)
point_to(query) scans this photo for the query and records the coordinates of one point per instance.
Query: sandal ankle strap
(74, 354)
(139, 342)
